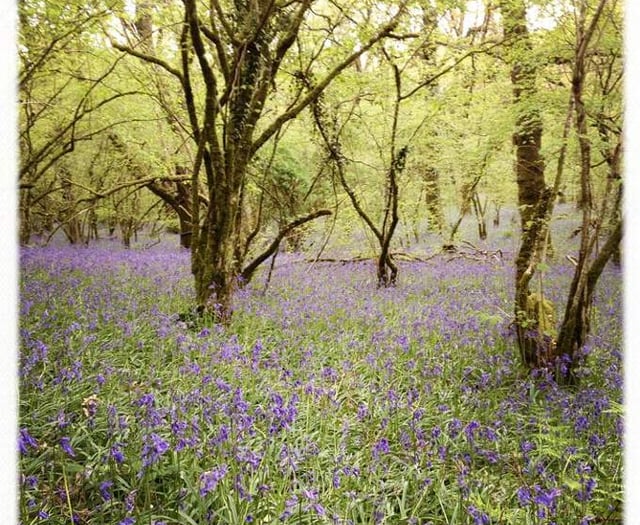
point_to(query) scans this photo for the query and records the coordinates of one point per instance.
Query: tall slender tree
(575, 325)
(529, 166)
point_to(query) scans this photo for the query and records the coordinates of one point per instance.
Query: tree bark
(576, 322)
(433, 199)
(527, 140)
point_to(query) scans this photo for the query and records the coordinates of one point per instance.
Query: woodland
(320, 261)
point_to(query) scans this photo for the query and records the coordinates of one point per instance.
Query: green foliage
(461, 125)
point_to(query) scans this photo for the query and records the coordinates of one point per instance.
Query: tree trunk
(527, 138)
(496, 217)
(433, 199)
(529, 168)
(185, 232)
(93, 225)
(214, 248)
(576, 322)
(25, 217)
(534, 349)
(575, 325)
(481, 217)
(179, 200)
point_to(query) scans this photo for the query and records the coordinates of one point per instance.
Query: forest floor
(326, 400)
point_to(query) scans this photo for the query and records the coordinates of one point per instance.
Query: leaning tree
(593, 21)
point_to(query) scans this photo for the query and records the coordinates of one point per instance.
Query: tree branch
(321, 86)
(148, 58)
(97, 195)
(444, 71)
(249, 270)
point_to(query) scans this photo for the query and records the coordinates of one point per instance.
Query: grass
(325, 401)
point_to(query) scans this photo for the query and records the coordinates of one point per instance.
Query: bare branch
(148, 58)
(67, 147)
(429, 81)
(321, 86)
(97, 195)
(214, 37)
(248, 271)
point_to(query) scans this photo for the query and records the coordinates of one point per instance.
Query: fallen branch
(361, 258)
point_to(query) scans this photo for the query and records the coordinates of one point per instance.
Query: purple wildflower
(335, 480)
(249, 457)
(288, 507)
(116, 453)
(588, 487)
(31, 482)
(62, 419)
(223, 385)
(130, 500)
(129, 520)
(455, 426)
(479, 517)
(65, 444)
(470, 429)
(381, 447)
(151, 452)
(147, 400)
(209, 480)
(597, 441)
(310, 494)
(581, 424)
(524, 496)
(548, 498)
(221, 437)
(526, 447)
(26, 440)
(105, 490)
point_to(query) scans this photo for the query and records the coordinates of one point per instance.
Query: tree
(239, 51)
(62, 88)
(575, 325)
(387, 270)
(529, 167)
(535, 322)
(412, 80)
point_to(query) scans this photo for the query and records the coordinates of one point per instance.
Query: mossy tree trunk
(177, 196)
(433, 199)
(529, 168)
(236, 50)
